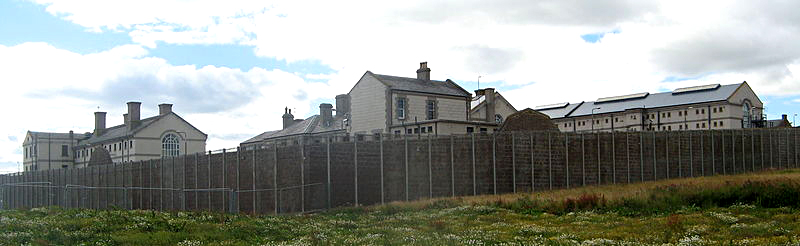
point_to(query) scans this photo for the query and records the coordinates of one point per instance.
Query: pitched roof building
(700, 107)
(163, 135)
(379, 104)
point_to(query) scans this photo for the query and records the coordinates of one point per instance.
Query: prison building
(705, 107)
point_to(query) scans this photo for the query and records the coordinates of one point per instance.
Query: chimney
(99, 123)
(325, 111)
(133, 114)
(164, 108)
(784, 118)
(125, 119)
(424, 73)
(288, 118)
(489, 95)
(342, 105)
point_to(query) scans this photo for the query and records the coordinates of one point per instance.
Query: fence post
(613, 158)
(383, 200)
(302, 176)
(452, 170)
(405, 163)
(655, 168)
(666, 153)
(733, 151)
(355, 169)
(172, 184)
(161, 173)
(239, 179)
(713, 154)
(680, 154)
(513, 164)
(196, 199)
(566, 156)
(549, 161)
(225, 204)
(533, 173)
(474, 179)
(597, 138)
(430, 170)
(628, 156)
(208, 192)
(744, 158)
(752, 150)
(276, 191)
(494, 162)
(691, 155)
(722, 140)
(583, 160)
(787, 148)
(328, 173)
(761, 147)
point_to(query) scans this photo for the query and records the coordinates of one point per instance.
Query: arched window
(170, 146)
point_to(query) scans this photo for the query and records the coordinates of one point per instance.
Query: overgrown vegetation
(752, 209)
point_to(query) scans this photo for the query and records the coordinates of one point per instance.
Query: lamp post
(593, 109)
(685, 122)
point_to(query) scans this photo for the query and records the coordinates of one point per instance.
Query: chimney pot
(288, 118)
(342, 105)
(325, 111)
(99, 123)
(164, 108)
(424, 73)
(134, 109)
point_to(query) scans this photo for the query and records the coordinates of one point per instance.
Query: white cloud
(532, 46)
(48, 89)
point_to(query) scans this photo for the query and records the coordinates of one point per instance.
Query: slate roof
(656, 100)
(477, 101)
(310, 125)
(447, 87)
(121, 131)
(54, 135)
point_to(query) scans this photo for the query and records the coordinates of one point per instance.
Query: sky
(230, 67)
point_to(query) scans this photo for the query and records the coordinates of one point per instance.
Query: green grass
(752, 209)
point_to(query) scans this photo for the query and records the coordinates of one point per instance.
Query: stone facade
(164, 135)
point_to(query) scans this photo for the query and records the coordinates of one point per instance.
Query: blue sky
(230, 68)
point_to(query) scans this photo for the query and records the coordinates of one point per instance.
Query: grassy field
(752, 209)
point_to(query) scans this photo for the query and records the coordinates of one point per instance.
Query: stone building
(385, 104)
(163, 135)
(713, 106)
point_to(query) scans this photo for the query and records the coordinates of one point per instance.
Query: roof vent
(551, 106)
(623, 97)
(695, 88)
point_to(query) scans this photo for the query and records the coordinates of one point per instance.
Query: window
(416, 130)
(115, 147)
(696, 111)
(424, 130)
(714, 110)
(702, 111)
(408, 131)
(170, 146)
(565, 124)
(470, 129)
(483, 130)
(679, 113)
(498, 119)
(616, 119)
(430, 129)
(64, 150)
(401, 108)
(669, 128)
(720, 124)
(669, 115)
(715, 124)
(397, 132)
(430, 109)
(697, 125)
(26, 152)
(606, 121)
(704, 125)
(721, 108)
(680, 127)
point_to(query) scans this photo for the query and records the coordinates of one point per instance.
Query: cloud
(59, 90)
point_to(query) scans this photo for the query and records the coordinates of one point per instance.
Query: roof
(447, 87)
(52, 135)
(310, 125)
(478, 101)
(656, 100)
(121, 131)
(118, 131)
